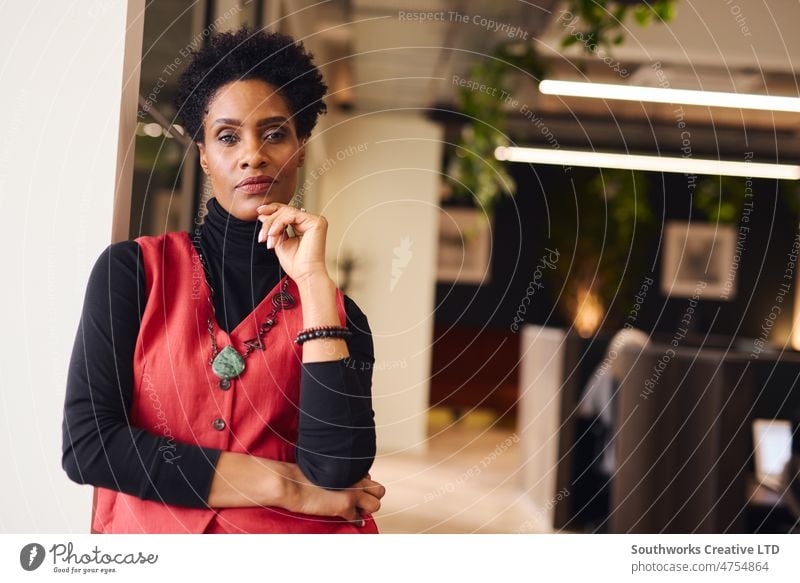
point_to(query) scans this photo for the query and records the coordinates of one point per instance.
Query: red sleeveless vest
(177, 395)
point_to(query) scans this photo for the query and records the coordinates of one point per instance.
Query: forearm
(246, 480)
(318, 299)
(133, 461)
(336, 432)
(335, 451)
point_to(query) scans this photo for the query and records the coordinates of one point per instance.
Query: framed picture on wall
(464, 246)
(698, 261)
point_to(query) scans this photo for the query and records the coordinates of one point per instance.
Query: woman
(220, 382)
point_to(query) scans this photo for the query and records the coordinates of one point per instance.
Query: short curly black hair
(251, 54)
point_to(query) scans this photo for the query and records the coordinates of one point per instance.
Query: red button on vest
(176, 395)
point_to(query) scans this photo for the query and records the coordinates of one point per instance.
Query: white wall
(69, 111)
(541, 378)
(377, 183)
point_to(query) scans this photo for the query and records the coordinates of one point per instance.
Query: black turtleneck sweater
(336, 442)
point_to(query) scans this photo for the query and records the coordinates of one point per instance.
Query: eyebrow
(261, 122)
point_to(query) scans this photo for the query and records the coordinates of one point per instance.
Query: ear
(203, 161)
(302, 150)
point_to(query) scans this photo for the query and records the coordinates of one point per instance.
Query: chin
(244, 206)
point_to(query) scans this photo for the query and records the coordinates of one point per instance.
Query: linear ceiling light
(652, 163)
(675, 96)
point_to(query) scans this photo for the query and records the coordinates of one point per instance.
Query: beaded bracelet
(322, 332)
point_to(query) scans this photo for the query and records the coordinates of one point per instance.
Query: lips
(256, 180)
(256, 184)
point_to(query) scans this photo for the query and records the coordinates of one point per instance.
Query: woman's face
(250, 132)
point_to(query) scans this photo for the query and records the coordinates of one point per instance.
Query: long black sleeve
(101, 448)
(336, 443)
(99, 445)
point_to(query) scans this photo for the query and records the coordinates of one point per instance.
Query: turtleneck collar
(237, 240)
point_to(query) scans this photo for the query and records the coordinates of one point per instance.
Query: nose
(254, 155)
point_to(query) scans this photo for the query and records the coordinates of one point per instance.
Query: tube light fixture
(668, 95)
(678, 165)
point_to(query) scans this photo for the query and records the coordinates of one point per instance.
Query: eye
(277, 134)
(274, 135)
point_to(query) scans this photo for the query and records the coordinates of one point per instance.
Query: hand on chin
(245, 207)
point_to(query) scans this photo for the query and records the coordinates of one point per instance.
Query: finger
(359, 522)
(373, 488)
(368, 503)
(267, 221)
(364, 482)
(263, 235)
(265, 224)
(285, 216)
(352, 514)
(275, 233)
(278, 227)
(269, 208)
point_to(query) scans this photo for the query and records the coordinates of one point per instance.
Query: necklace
(228, 363)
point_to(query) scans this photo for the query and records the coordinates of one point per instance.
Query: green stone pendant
(228, 363)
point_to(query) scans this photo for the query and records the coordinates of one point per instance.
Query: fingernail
(261, 236)
(270, 242)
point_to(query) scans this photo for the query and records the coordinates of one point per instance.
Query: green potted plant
(721, 199)
(599, 22)
(475, 173)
